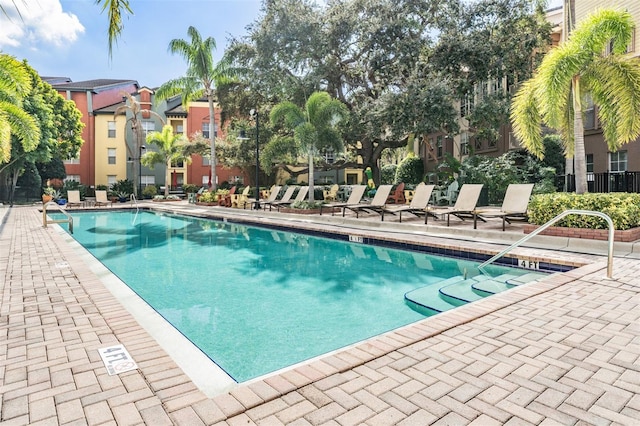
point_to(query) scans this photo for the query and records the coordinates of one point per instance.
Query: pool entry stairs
(459, 290)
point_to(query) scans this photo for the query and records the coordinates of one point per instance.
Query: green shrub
(410, 170)
(189, 187)
(623, 208)
(208, 197)
(388, 174)
(149, 191)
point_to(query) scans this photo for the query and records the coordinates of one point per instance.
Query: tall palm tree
(15, 85)
(314, 126)
(202, 77)
(170, 150)
(115, 10)
(571, 71)
(133, 107)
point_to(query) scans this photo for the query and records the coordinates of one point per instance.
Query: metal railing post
(551, 222)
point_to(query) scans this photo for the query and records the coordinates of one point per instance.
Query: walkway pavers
(565, 350)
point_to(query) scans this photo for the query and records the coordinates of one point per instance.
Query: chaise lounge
(514, 206)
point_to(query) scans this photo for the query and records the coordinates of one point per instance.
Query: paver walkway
(562, 351)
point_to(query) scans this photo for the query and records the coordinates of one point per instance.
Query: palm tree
(15, 85)
(170, 150)
(570, 72)
(201, 79)
(314, 126)
(133, 106)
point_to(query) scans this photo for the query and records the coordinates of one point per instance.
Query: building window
(205, 180)
(466, 105)
(75, 160)
(235, 179)
(589, 113)
(205, 130)
(464, 143)
(73, 178)
(179, 129)
(148, 180)
(111, 129)
(148, 127)
(329, 156)
(177, 164)
(206, 161)
(589, 162)
(111, 156)
(618, 161)
(439, 146)
(479, 144)
(111, 179)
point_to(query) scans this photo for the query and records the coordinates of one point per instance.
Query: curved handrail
(46, 221)
(551, 222)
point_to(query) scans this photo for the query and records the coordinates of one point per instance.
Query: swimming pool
(257, 300)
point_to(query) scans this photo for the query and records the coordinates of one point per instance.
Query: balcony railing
(602, 182)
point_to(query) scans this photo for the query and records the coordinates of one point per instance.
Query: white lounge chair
(376, 205)
(101, 198)
(418, 205)
(286, 197)
(73, 198)
(465, 203)
(300, 196)
(514, 206)
(357, 192)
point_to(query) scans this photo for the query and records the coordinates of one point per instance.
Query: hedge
(623, 208)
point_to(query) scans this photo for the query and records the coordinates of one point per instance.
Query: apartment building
(91, 96)
(109, 153)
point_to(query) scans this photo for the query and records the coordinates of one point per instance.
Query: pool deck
(565, 350)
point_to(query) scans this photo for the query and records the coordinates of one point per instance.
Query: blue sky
(68, 38)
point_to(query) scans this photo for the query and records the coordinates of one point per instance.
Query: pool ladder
(46, 220)
(551, 222)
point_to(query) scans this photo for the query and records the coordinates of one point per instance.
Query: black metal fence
(602, 182)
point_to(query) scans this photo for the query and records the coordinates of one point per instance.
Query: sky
(68, 38)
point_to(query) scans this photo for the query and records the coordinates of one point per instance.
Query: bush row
(623, 208)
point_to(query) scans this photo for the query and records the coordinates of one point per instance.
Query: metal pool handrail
(46, 221)
(551, 222)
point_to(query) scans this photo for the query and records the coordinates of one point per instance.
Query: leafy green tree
(15, 86)
(313, 127)
(170, 150)
(200, 81)
(576, 68)
(133, 109)
(59, 130)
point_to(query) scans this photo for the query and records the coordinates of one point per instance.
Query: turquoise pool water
(256, 300)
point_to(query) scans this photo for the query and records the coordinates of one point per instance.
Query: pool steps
(457, 291)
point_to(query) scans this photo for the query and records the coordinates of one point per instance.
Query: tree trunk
(138, 137)
(212, 141)
(578, 136)
(311, 189)
(167, 176)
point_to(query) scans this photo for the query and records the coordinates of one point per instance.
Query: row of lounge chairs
(514, 206)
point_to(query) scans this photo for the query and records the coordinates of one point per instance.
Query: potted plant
(59, 198)
(48, 194)
(122, 189)
(149, 191)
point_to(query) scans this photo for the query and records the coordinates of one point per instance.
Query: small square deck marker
(117, 360)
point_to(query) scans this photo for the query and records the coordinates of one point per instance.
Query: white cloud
(38, 22)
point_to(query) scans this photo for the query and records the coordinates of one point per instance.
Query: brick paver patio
(562, 351)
